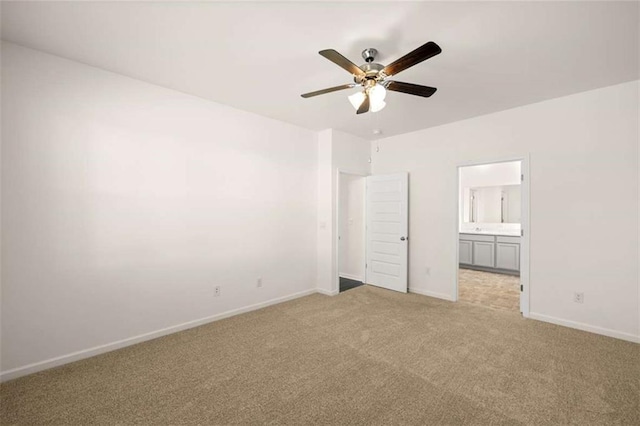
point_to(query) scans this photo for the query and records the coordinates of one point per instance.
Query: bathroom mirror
(491, 204)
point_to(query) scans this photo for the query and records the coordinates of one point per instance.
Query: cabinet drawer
(476, 237)
(505, 239)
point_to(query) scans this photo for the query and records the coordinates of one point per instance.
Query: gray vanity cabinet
(495, 253)
(483, 254)
(508, 256)
(466, 252)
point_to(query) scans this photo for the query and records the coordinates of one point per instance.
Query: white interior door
(387, 231)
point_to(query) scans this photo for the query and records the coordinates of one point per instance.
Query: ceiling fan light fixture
(356, 99)
(377, 93)
(377, 106)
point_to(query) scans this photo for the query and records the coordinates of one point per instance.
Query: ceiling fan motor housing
(371, 72)
(370, 68)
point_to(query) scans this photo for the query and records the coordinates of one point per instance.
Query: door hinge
(522, 177)
(521, 287)
(366, 265)
(522, 232)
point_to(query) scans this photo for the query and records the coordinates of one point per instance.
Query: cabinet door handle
(403, 238)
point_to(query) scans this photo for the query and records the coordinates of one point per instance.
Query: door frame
(525, 239)
(336, 239)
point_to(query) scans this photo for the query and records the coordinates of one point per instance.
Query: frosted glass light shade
(376, 96)
(356, 99)
(377, 93)
(377, 106)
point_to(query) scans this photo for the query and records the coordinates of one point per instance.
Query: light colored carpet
(497, 291)
(367, 356)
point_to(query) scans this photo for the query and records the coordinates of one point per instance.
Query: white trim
(327, 292)
(97, 350)
(350, 277)
(525, 239)
(525, 255)
(493, 160)
(586, 327)
(423, 292)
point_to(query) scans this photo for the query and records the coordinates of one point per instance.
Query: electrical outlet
(259, 282)
(578, 297)
(216, 291)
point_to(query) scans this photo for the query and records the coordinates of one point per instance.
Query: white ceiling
(260, 57)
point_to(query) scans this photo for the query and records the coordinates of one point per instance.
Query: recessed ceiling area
(260, 57)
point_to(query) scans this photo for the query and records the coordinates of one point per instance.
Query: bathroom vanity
(490, 209)
(490, 252)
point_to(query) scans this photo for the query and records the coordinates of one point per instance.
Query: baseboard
(97, 350)
(586, 327)
(351, 277)
(327, 292)
(431, 294)
(492, 270)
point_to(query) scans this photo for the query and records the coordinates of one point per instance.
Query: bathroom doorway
(492, 235)
(351, 230)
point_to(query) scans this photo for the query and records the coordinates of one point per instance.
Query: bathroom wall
(351, 245)
(487, 175)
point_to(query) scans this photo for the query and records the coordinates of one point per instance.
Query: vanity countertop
(504, 232)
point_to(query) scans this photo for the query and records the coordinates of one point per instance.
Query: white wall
(336, 151)
(125, 204)
(351, 223)
(324, 202)
(583, 153)
(497, 174)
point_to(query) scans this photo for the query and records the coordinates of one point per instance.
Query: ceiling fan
(373, 77)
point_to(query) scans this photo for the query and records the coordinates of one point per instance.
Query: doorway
(351, 230)
(371, 230)
(492, 235)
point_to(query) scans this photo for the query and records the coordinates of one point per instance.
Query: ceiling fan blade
(422, 53)
(411, 89)
(364, 106)
(341, 61)
(329, 90)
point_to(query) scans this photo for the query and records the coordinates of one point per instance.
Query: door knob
(402, 238)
